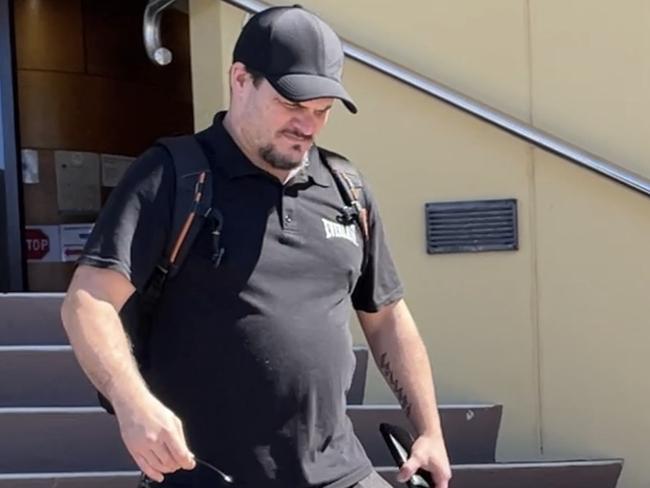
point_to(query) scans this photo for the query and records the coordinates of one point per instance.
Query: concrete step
(31, 318)
(564, 474)
(49, 376)
(86, 438)
(32, 376)
(572, 474)
(60, 439)
(471, 431)
(89, 479)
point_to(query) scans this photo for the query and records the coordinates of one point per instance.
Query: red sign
(38, 243)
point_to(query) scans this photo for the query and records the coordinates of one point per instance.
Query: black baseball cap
(298, 53)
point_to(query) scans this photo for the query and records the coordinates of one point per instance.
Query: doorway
(89, 101)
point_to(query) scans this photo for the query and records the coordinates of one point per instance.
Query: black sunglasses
(226, 480)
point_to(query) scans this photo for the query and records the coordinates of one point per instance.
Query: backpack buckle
(349, 215)
(217, 249)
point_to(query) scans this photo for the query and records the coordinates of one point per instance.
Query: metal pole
(11, 256)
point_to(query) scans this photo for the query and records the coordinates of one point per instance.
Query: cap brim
(300, 88)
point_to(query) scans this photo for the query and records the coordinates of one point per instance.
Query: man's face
(278, 130)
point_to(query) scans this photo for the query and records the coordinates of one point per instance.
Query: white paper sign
(29, 159)
(77, 181)
(113, 168)
(73, 240)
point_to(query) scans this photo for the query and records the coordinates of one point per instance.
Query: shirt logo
(336, 230)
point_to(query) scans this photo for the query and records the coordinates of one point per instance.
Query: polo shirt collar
(235, 163)
(316, 168)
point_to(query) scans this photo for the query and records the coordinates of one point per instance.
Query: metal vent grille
(472, 226)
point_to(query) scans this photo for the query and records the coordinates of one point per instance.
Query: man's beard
(279, 161)
(272, 156)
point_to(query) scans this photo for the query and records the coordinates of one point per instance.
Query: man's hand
(154, 437)
(428, 453)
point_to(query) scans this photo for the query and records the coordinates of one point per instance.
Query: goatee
(279, 161)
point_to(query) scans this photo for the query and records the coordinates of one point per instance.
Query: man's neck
(280, 174)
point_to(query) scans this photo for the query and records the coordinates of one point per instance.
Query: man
(250, 361)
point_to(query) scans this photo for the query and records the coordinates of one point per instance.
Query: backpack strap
(192, 206)
(193, 197)
(350, 185)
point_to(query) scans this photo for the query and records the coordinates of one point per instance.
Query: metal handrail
(151, 32)
(505, 122)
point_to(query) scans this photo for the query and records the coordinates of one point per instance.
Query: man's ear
(238, 76)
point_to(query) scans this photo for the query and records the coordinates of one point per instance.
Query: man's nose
(306, 124)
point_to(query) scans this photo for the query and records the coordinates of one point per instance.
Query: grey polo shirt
(254, 356)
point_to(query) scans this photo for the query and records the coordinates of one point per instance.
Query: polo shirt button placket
(288, 214)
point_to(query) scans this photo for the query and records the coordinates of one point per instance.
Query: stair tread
(31, 318)
(89, 438)
(597, 473)
(30, 375)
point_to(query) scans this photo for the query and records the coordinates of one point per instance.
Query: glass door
(89, 101)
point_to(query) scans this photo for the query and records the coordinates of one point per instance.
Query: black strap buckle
(349, 215)
(218, 250)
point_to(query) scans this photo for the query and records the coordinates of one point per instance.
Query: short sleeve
(379, 283)
(131, 232)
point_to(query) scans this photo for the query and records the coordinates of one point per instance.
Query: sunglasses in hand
(224, 479)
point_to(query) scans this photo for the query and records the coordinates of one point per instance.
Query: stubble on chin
(276, 160)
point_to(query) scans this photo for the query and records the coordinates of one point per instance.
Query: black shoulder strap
(192, 204)
(193, 197)
(350, 185)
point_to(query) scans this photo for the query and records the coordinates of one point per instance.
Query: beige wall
(554, 331)
(208, 80)
(591, 73)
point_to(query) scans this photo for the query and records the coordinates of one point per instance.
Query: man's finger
(188, 456)
(179, 451)
(156, 457)
(147, 469)
(442, 477)
(408, 469)
(177, 460)
(151, 456)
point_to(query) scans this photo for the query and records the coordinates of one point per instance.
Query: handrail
(505, 122)
(151, 32)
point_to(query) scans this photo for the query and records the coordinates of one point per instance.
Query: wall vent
(472, 226)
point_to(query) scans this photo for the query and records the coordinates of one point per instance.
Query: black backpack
(193, 209)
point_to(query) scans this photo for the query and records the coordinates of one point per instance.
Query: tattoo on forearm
(384, 366)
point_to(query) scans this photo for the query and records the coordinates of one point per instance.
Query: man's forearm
(101, 346)
(402, 358)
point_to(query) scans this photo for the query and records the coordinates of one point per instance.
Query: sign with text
(77, 181)
(113, 168)
(42, 243)
(73, 240)
(30, 166)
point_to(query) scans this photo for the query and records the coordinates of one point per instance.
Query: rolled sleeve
(131, 231)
